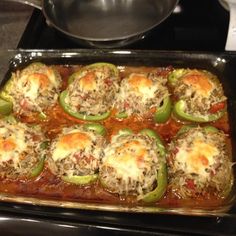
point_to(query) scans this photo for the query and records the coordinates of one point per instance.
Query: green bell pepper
(186, 128)
(161, 115)
(175, 75)
(179, 112)
(9, 85)
(6, 100)
(39, 166)
(97, 128)
(10, 118)
(208, 129)
(121, 115)
(80, 180)
(86, 179)
(125, 131)
(163, 112)
(159, 142)
(5, 107)
(161, 177)
(159, 191)
(180, 105)
(80, 115)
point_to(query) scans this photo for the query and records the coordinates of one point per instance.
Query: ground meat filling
(21, 149)
(191, 172)
(130, 164)
(199, 101)
(80, 156)
(35, 88)
(140, 92)
(93, 90)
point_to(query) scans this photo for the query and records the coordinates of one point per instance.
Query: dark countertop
(13, 20)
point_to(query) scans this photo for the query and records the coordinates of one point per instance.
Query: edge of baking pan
(222, 63)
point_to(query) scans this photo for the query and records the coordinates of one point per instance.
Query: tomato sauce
(49, 186)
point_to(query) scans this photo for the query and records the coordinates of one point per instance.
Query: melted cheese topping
(130, 164)
(198, 158)
(31, 83)
(52, 77)
(13, 145)
(199, 82)
(34, 83)
(7, 145)
(141, 92)
(141, 84)
(40, 79)
(128, 159)
(88, 82)
(69, 143)
(133, 147)
(126, 166)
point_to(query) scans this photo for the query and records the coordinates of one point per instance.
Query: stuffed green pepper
(30, 90)
(199, 163)
(90, 92)
(22, 150)
(198, 95)
(135, 165)
(76, 152)
(143, 95)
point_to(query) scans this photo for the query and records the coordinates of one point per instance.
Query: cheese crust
(130, 165)
(140, 92)
(76, 151)
(92, 91)
(200, 90)
(199, 163)
(34, 88)
(20, 149)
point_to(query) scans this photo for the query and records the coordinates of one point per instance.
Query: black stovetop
(196, 25)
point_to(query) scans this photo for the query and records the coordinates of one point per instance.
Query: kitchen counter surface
(13, 20)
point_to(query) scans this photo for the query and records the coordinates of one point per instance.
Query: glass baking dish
(221, 64)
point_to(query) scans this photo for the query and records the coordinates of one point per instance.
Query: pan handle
(231, 38)
(33, 3)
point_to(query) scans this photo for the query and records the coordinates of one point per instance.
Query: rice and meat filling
(21, 149)
(200, 90)
(199, 164)
(93, 90)
(35, 88)
(130, 165)
(140, 92)
(76, 152)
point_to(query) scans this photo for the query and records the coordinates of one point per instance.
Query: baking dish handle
(231, 38)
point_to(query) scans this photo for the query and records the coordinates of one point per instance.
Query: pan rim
(107, 39)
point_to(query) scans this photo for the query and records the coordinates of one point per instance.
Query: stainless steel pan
(104, 23)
